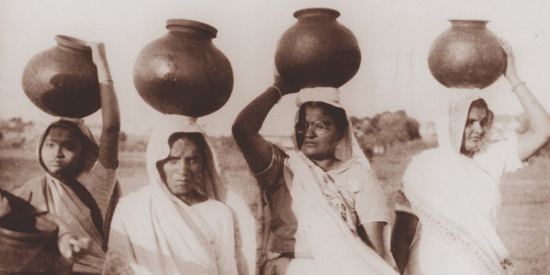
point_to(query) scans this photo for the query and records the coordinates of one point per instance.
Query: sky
(394, 37)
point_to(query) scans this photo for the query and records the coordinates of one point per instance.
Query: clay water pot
(183, 72)
(467, 55)
(29, 245)
(62, 81)
(317, 51)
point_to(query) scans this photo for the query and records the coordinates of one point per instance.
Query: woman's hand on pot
(99, 58)
(284, 86)
(510, 72)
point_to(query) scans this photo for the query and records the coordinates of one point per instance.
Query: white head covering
(450, 129)
(158, 149)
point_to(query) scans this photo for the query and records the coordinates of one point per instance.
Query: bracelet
(279, 91)
(515, 87)
(107, 81)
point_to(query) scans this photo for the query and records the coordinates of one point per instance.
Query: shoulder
(355, 177)
(215, 205)
(215, 210)
(98, 172)
(31, 186)
(429, 158)
(135, 199)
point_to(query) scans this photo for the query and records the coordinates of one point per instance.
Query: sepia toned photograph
(274, 137)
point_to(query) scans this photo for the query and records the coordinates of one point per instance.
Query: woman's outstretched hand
(73, 248)
(510, 72)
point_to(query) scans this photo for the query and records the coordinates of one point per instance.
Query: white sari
(332, 242)
(154, 232)
(457, 200)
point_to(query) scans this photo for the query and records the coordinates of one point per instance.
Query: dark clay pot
(62, 80)
(467, 55)
(183, 72)
(317, 51)
(29, 245)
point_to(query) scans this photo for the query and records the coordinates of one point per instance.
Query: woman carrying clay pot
(81, 174)
(176, 224)
(329, 211)
(454, 190)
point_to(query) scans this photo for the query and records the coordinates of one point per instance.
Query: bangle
(279, 91)
(107, 81)
(515, 87)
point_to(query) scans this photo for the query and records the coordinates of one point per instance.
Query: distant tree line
(383, 130)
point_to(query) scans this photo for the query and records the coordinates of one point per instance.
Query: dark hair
(337, 114)
(479, 103)
(196, 138)
(482, 104)
(72, 128)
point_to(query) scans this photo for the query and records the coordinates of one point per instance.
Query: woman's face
(475, 130)
(182, 169)
(62, 152)
(318, 146)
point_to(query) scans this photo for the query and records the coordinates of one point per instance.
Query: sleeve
(402, 203)
(101, 182)
(268, 177)
(502, 157)
(226, 245)
(370, 201)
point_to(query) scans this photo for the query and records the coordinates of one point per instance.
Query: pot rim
(209, 30)
(72, 42)
(27, 237)
(318, 11)
(471, 21)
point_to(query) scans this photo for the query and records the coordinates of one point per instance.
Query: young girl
(80, 176)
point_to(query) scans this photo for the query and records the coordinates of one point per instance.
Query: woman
(455, 189)
(80, 177)
(175, 225)
(322, 195)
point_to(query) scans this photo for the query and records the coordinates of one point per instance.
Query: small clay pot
(29, 246)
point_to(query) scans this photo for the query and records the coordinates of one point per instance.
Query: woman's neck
(328, 164)
(192, 198)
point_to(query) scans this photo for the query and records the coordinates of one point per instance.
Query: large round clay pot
(62, 80)
(29, 246)
(317, 51)
(183, 72)
(467, 55)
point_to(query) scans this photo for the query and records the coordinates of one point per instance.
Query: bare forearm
(402, 237)
(109, 108)
(251, 118)
(538, 117)
(256, 150)
(108, 142)
(373, 235)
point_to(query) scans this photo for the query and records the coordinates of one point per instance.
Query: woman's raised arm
(539, 131)
(108, 142)
(256, 150)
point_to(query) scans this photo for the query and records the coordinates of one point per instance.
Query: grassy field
(524, 222)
